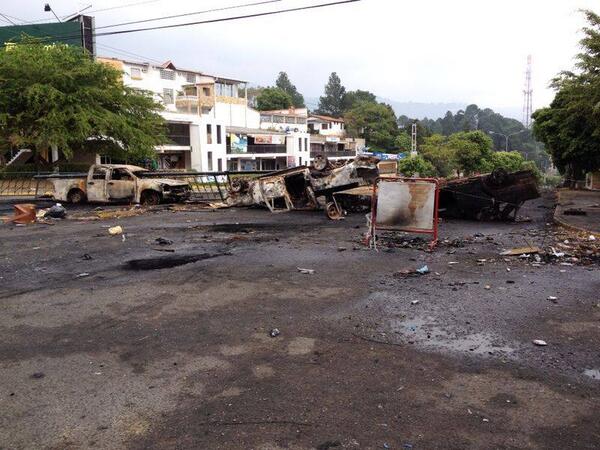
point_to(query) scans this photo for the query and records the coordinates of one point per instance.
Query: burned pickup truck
(112, 183)
(494, 196)
(301, 187)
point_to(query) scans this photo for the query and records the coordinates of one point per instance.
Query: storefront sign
(239, 144)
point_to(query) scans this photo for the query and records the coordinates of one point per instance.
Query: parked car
(113, 183)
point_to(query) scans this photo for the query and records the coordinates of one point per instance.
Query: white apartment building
(328, 138)
(210, 125)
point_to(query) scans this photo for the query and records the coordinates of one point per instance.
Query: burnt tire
(150, 198)
(320, 162)
(76, 196)
(333, 212)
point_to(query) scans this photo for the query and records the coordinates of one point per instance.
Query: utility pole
(527, 95)
(413, 143)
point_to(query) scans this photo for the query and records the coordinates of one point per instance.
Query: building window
(300, 144)
(219, 165)
(190, 77)
(136, 73)
(178, 133)
(209, 134)
(265, 118)
(290, 120)
(218, 134)
(167, 74)
(305, 144)
(168, 96)
(324, 126)
(300, 161)
(210, 164)
(206, 91)
(300, 120)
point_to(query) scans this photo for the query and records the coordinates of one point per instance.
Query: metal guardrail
(23, 184)
(208, 186)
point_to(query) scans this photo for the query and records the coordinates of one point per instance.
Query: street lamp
(506, 136)
(47, 8)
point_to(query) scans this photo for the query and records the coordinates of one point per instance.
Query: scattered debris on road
(274, 332)
(116, 230)
(306, 271)
(56, 211)
(521, 251)
(539, 342)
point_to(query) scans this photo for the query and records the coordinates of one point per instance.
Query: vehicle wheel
(150, 198)
(320, 162)
(333, 212)
(76, 196)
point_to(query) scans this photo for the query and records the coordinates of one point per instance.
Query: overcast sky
(468, 51)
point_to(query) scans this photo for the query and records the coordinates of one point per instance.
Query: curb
(568, 226)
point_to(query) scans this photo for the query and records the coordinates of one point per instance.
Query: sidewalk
(579, 210)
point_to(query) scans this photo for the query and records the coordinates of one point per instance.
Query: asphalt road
(96, 353)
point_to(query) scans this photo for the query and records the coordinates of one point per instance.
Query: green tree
(403, 142)
(471, 150)
(570, 126)
(56, 95)
(353, 98)
(375, 122)
(511, 161)
(273, 98)
(416, 165)
(332, 103)
(283, 82)
(436, 150)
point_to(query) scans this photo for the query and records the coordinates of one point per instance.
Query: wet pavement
(96, 355)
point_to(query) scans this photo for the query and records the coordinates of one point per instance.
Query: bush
(416, 165)
(552, 181)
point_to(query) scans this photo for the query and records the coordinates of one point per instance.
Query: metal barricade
(405, 204)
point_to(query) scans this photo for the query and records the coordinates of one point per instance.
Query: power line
(6, 16)
(190, 14)
(127, 5)
(129, 54)
(224, 19)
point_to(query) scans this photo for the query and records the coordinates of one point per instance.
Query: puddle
(592, 373)
(423, 331)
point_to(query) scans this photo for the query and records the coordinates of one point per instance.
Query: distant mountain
(419, 110)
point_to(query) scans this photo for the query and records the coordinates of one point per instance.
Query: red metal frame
(433, 231)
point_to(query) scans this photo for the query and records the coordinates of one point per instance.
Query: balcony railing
(333, 153)
(261, 148)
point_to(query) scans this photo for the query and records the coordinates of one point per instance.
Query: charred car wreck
(494, 196)
(302, 187)
(348, 187)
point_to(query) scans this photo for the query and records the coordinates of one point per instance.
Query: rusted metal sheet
(24, 213)
(494, 196)
(405, 204)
